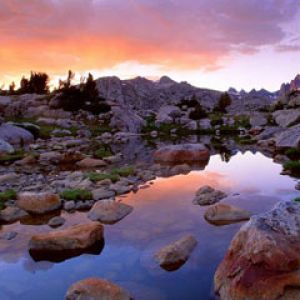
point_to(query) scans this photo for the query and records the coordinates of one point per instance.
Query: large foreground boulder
(222, 214)
(173, 256)
(15, 136)
(182, 153)
(38, 203)
(109, 211)
(263, 260)
(96, 289)
(76, 237)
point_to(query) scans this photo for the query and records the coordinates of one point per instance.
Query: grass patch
(242, 121)
(114, 175)
(76, 194)
(124, 172)
(245, 140)
(7, 195)
(293, 166)
(94, 176)
(297, 199)
(10, 158)
(102, 152)
(293, 153)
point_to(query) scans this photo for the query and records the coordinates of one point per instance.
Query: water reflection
(163, 212)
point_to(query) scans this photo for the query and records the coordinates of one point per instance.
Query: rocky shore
(52, 160)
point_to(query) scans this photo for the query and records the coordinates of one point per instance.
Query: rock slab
(263, 260)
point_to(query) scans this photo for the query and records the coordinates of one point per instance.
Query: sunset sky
(209, 43)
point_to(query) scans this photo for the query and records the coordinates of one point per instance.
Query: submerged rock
(221, 214)
(173, 256)
(182, 153)
(38, 203)
(76, 237)
(207, 195)
(263, 260)
(109, 211)
(96, 289)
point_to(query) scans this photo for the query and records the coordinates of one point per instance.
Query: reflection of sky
(162, 213)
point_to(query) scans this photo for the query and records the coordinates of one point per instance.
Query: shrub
(216, 119)
(223, 103)
(38, 83)
(198, 112)
(242, 121)
(85, 96)
(76, 194)
(297, 199)
(293, 153)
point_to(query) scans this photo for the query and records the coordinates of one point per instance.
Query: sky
(210, 43)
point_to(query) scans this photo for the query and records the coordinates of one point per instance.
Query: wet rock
(76, 237)
(11, 214)
(9, 235)
(95, 289)
(182, 153)
(297, 186)
(175, 255)
(120, 189)
(56, 221)
(109, 211)
(89, 163)
(207, 195)
(38, 203)
(102, 193)
(263, 260)
(221, 214)
(180, 169)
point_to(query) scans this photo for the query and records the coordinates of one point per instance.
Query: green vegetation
(293, 166)
(7, 195)
(10, 158)
(114, 175)
(102, 152)
(76, 194)
(297, 199)
(293, 153)
(245, 140)
(223, 103)
(216, 119)
(94, 176)
(242, 121)
(85, 96)
(124, 171)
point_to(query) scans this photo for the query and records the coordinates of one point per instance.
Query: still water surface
(162, 213)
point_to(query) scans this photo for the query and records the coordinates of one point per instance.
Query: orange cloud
(57, 35)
